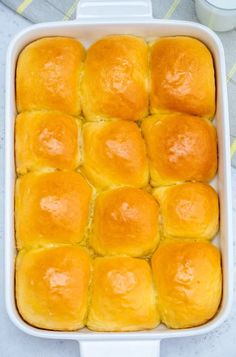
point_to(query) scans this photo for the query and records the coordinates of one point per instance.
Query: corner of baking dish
(74, 29)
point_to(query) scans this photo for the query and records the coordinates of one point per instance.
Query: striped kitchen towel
(44, 10)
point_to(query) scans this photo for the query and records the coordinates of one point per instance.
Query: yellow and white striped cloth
(44, 10)
(55, 10)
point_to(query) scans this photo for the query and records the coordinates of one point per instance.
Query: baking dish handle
(114, 9)
(120, 348)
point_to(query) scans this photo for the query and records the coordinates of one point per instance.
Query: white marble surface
(13, 342)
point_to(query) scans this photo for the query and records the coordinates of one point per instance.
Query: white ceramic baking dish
(95, 20)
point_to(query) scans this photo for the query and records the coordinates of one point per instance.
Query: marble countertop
(13, 342)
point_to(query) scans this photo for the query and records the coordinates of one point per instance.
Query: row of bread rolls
(175, 147)
(117, 77)
(60, 208)
(63, 288)
(66, 286)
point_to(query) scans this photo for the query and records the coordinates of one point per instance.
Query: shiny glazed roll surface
(189, 210)
(126, 221)
(180, 148)
(51, 208)
(46, 139)
(52, 287)
(182, 77)
(123, 296)
(48, 75)
(188, 280)
(114, 154)
(115, 80)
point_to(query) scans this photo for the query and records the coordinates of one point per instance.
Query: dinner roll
(190, 210)
(47, 75)
(115, 81)
(123, 297)
(189, 282)
(46, 139)
(52, 287)
(51, 208)
(180, 148)
(114, 154)
(125, 222)
(182, 77)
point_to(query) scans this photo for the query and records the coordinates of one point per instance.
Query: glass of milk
(219, 15)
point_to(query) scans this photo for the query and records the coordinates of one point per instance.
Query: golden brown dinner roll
(180, 148)
(182, 77)
(125, 222)
(123, 297)
(52, 287)
(115, 81)
(47, 75)
(188, 281)
(51, 208)
(114, 154)
(190, 210)
(46, 139)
